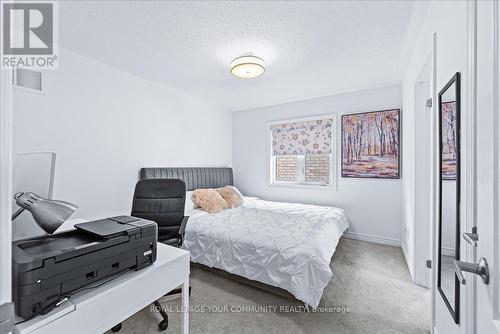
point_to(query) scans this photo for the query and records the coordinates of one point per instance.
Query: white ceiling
(311, 49)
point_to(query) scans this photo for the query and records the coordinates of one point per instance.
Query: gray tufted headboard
(194, 177)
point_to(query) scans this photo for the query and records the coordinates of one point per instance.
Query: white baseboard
(372, 238)
(434, 330)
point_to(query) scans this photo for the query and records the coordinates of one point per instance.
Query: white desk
(98, 310)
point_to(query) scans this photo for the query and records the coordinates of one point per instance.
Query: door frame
(433, 198)
(496, 106)
(5, 185)
(420, 244)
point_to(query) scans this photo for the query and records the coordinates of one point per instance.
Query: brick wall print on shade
(371, 145)
(286, 168)
(317, 168)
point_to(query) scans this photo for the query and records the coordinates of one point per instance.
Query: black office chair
(162, 201)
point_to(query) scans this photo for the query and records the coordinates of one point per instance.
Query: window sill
(302, 186)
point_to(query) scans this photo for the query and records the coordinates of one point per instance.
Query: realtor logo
(28, 34)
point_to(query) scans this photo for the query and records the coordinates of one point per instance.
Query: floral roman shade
(301, 138)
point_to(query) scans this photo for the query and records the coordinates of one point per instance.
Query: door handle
(480, 268)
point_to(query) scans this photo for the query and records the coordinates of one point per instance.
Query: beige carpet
(371, 290)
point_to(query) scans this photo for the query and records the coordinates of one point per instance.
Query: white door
(480, 196)
(480, 268)
(487, 168)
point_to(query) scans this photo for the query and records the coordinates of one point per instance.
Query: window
(301, 151)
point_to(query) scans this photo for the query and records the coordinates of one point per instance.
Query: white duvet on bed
(287, 245)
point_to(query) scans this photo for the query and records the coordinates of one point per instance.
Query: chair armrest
(182, 229)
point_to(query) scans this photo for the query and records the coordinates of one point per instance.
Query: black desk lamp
(48, 214)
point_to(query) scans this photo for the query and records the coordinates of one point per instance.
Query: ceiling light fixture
(248, 67)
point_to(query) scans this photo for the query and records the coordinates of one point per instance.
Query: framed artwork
(449, 140)
(371, 145)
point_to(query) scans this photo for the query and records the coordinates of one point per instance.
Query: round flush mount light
(247, 67)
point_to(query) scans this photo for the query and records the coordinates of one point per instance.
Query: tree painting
(370, 144)
(449, 140)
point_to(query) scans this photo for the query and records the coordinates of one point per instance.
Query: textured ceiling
(311, 48)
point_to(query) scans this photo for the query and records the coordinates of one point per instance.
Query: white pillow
(189, 205)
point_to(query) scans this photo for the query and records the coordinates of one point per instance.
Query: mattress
(286, 245)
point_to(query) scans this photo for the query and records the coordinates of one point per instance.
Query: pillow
(231, 195)
(189, 205)
(209, 200)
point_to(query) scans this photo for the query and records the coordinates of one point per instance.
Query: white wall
(373, 206)
(448, 19)
(105, 124)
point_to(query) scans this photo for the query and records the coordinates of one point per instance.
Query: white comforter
(286, 245)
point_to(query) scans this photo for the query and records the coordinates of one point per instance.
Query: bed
(284, 245)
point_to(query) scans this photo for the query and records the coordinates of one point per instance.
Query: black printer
(49, 268)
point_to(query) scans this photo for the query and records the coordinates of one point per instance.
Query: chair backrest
(162, 201)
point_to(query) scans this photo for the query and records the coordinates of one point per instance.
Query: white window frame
(334, 160)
